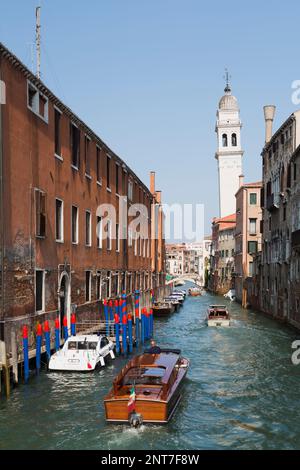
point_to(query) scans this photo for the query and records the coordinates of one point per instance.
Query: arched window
(233, 140)
(224, 140)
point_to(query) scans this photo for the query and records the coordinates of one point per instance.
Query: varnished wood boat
(157, 380)
(163, 308)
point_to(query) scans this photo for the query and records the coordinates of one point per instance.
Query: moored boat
(174, 301)
(218, 315)
(161, 308)
(82, 353)
(148, 388)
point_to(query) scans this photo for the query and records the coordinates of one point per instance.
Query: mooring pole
(130, 332)
(105, 306)
(47, 339)
(25, 352)
(57, 334)
(117, 332)
(73, 324)
(38, 348)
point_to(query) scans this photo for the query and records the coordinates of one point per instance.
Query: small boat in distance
(218, 315)
(162, 308)
(82, 353)
(148, 388)
(195, 291)
(174, 302)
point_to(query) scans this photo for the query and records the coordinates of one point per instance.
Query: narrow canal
(242, 392)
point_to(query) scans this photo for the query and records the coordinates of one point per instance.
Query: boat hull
(218, 322)
(162, 311)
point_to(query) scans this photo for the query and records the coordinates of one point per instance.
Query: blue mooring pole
(117, 328)
(129, 323)
(137, 318)
(57, 335)
(106, 316)
(142, 327)
(124, 334)
(47, 339)
(73, 324)
(65, 323)
(38, 348)
(25, 352)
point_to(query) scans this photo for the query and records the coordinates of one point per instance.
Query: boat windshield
(82, 345)
(144, 376)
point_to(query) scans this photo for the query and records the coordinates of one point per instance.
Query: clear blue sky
(147, 75)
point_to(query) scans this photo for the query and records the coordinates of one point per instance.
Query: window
(99, 232)
(74, 224)
(233, 140)
(117, 178)
(295, 171)
(88, 286)
(232, 252)
(253, 199)
(59, 225)
(224, 140)
(108, 235)
(130, 190)
(39, 290)
(37, 102)
(87, 155)
(98, 164)
(57, 135)
(252, 247)
(251, 268)
(40, 213)
(108, 172)
(98, 285)
(252, 226)
(88, 228)
(226, 254)
(75, 145)
(123, 181)
(117, 238)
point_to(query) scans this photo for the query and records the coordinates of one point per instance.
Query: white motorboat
(218, 315)
(82, 353)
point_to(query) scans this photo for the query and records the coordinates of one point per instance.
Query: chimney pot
(269, 112)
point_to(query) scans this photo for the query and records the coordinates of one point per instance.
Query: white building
(229, 153)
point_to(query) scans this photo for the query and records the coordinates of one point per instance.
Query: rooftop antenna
(38, 41)
(227, 78)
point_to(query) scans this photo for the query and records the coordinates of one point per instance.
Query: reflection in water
(242, 392)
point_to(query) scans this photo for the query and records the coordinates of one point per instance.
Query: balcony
(296, 239)
(272, 203)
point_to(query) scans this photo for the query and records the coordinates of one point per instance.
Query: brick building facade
(59, 251)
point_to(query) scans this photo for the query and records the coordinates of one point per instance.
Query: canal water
(242, 392)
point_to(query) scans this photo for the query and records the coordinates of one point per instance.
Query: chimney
(269, 112)
(241, 180)
(152, 182)
(158, 197)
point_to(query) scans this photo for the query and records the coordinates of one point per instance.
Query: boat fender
(112, 355)
(135, 419)
(102, 362)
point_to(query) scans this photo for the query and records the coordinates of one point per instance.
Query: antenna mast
(38, 41)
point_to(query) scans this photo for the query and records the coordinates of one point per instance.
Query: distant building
(247, 234)
(221, 276)
(187, 258)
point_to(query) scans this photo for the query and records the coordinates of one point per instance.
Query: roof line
(6, 53)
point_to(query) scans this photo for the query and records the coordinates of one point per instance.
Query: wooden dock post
(5, 368)
(14, 351)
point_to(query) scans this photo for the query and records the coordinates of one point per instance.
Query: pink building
(247, 234)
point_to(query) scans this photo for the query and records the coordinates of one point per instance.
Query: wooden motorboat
(161, 308)
(218, 315)
(148, 388)
(82, 353)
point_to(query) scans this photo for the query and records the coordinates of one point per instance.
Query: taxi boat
(82, 353)
(218, 315)
(157, 381)
(161, 308)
